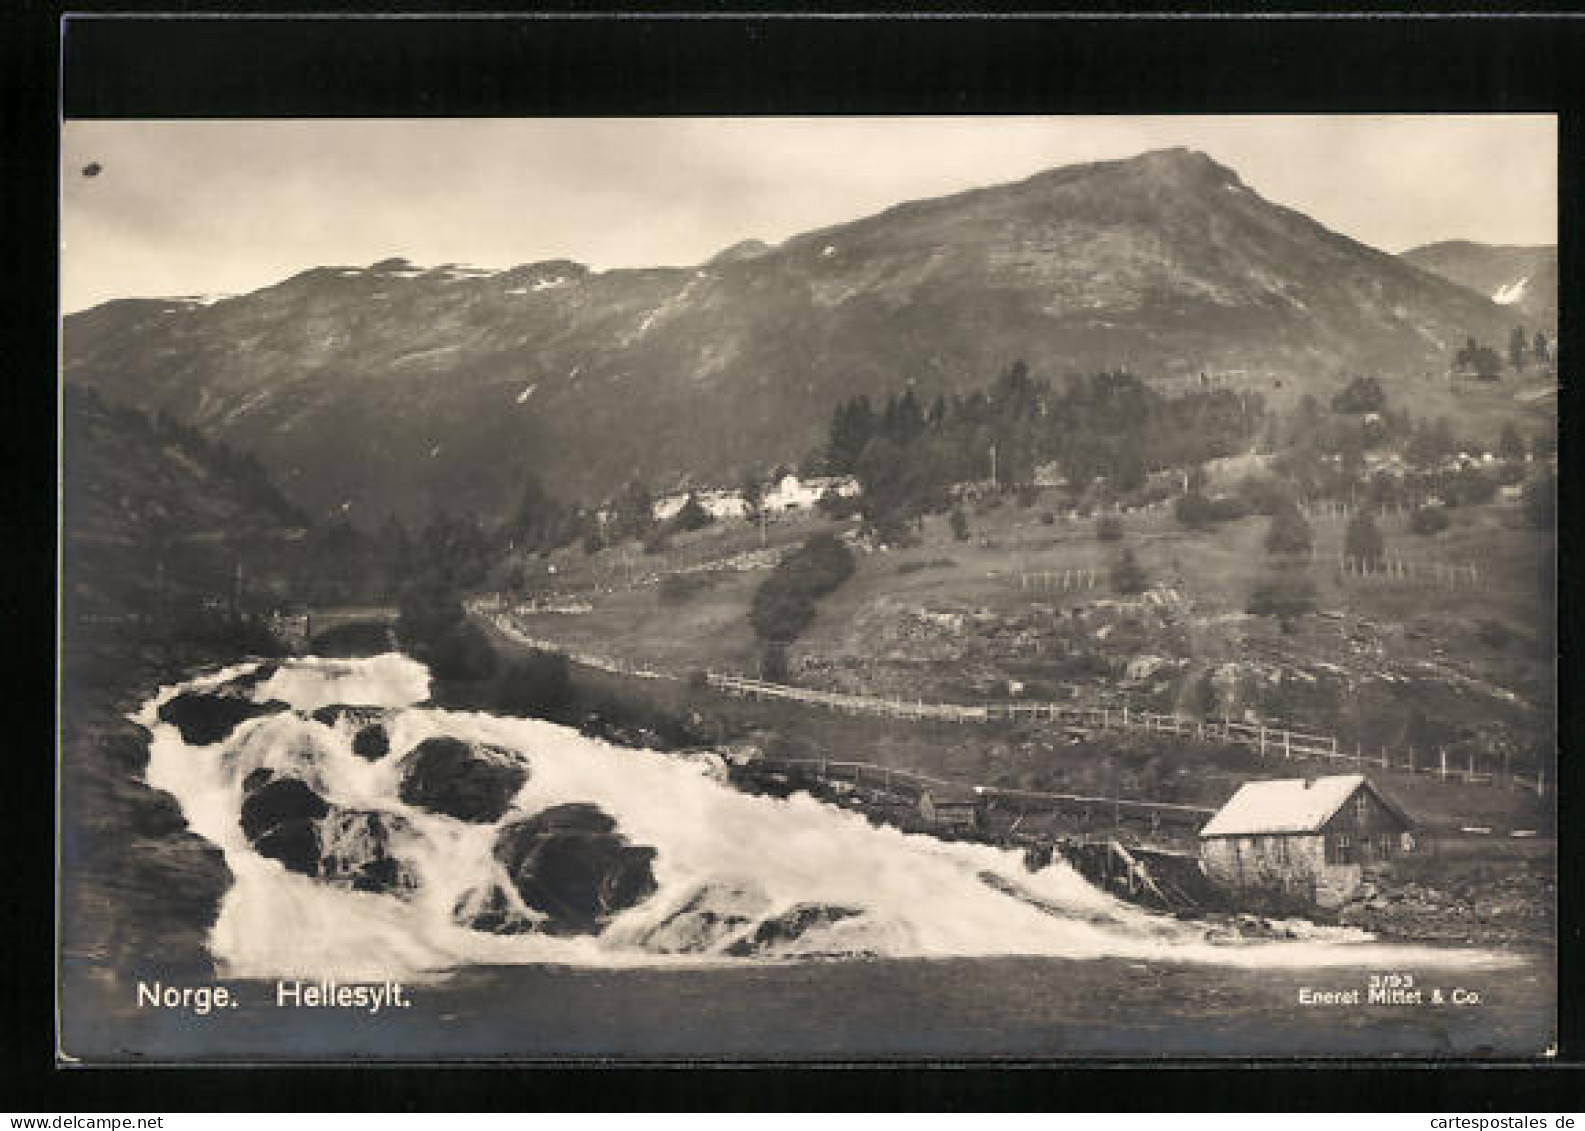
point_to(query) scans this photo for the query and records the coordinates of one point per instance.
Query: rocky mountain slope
(398, 389)
(1523, 279)
(151, 510)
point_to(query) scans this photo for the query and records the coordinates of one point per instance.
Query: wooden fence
(907, 784)
(1055, 581)
(1275, 743)
(1445, 574)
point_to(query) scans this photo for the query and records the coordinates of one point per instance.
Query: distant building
(1303, 838)
(793, 493)
(951, 809)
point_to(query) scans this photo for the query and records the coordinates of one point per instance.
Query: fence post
(1411, 759)
(1384, 764)
(1441, 753)
(1262, 740)
(1125, 716)
(1287, 745)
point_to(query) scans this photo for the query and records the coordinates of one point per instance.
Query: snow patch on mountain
(1511, 293)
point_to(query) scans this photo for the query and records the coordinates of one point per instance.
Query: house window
(1342, 850)
(1385, 844)
(1362, 807)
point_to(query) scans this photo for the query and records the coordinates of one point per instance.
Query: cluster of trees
(1108, 425)
(784, 604)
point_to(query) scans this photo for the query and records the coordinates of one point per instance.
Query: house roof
(1291, 805)
(951, 795)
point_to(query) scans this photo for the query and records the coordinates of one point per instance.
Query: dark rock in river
(789, 926)
(492, 910)
(247, 681)
(712, 915)
(355, 850)
(458, 779)
(357, 715)
(256, 778)
(570, 863)
(281, 821)
(205, 717)
(371, 743)
(285, 820)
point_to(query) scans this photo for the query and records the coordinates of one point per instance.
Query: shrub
(462, 653)
(1264, 494)
(1429, 520)
(1109, 528)
(356, 638)
(539, 685)
(1540, 502)
(693, 516)
(425, 613)
(773, 662)
(960, 524)
(1283, 594)
(1127, 576)
(1197, 512)
(675, 588)
(1289, 532)
(783, 605)
(1362, 394)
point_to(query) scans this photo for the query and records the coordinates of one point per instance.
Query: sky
(224, 207)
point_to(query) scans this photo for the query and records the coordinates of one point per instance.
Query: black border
(714, 62)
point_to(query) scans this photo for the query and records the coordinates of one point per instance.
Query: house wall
(1293, 866)
(1363, 832)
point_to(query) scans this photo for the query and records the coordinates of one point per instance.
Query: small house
(951, 809)
(1303, 838)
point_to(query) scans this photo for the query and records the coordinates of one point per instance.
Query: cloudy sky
(182, 208)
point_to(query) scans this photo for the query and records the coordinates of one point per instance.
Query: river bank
(963, 1010)
(1461, 888)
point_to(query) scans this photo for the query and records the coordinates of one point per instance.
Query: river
(900, 946)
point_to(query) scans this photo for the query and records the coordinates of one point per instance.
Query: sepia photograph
(808, 589)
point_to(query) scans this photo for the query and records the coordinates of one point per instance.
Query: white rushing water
(745, 858)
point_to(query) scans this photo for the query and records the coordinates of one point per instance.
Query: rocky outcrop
(281, 819)
(491, 909)
(790, 926)
(356, 714)
(371, 743)
(287, 821)
(571, 864)
(207, 717)
(355, 851)
(468, 781)
(713, 914)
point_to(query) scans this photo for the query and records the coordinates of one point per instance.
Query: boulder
(358, 715)
(713, 914)
(458, 779)
(355, 851)
(256, 778)
(287, 821)
(207, 717)
(491, 909)
(790, 926)
(571, 863)
(281, 818)
(371, 743)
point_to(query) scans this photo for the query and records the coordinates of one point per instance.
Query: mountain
(1523, 279)
(149, 505)
(394, 388)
